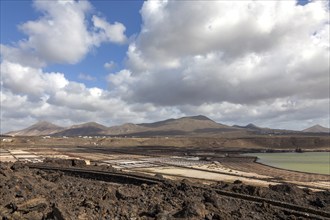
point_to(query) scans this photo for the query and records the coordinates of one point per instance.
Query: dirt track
(35, 194)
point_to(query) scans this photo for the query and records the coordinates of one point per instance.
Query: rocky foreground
(35, 194)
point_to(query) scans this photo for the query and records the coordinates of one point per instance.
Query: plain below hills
(186, 126)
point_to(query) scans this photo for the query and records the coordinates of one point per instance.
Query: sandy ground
(203, 175)
(320, 184)
(224, 169)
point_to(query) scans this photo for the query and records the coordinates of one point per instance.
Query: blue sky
(238, 62)
(15, 12)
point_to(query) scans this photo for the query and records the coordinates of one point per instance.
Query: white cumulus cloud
(62, 34)
(241, 53)
(109, 65)
(265, 62)
(109, 32)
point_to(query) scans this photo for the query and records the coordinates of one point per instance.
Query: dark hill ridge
(249, 126)
(90, 124)
(199, 117)
(86, 129)
(252, 128)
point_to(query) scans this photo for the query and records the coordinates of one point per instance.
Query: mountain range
(186, 126)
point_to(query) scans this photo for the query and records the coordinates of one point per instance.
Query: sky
(113, 62)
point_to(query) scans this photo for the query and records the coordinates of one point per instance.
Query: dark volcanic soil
(35, 194)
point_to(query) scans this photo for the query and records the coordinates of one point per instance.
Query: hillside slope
(38, 129)
(317, 129)
(180, 126)
(86, 129)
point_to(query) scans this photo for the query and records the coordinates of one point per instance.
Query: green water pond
(311, 162)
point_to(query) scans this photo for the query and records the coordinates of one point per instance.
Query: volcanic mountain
(193, 125)
(317, 129)
(187, 126)
(86, 129)
(38, 129)
(249, 126)
(127, 128)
